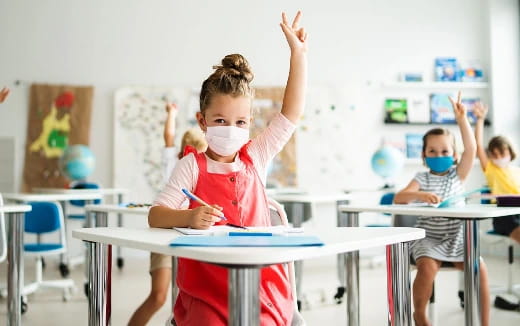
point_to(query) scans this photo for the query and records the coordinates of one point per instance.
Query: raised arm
(411, 193)
(294, 97)
(4, 92)
(481, 112)
(468, 139)
(169, 125)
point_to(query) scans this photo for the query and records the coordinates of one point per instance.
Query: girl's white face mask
(502, 162)
(226, 140)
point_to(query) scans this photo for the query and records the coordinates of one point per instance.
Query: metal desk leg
(471, 273)
(64, 259)
(298, 210)
(398, 284)
(351, 219)
(175, 289)
(244, 302)
(100, 220)
(15, 222)
(120, 262)
(99, 283)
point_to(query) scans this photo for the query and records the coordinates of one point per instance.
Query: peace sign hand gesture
(296, 36)
(458, 108)
(480, 110)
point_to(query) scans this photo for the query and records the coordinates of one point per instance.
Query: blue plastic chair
(46, 218)
(81, 203)
(386, 199)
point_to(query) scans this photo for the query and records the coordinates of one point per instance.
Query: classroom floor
(131, 284)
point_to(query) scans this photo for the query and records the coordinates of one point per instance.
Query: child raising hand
(230, 175)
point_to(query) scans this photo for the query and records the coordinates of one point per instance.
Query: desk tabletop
(15, 208)
(103, 191)
(337, 240)
(27, 197)
(118, 209)
(470, 211)
(310, 198)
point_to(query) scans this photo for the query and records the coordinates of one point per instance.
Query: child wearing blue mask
(444, 237)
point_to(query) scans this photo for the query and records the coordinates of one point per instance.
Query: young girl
(231, 176)
(444, 239)
(503, 178)
(160, 265)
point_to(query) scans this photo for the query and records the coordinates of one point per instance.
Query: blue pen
(200, 201)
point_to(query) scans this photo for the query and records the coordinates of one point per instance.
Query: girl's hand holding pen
(203, 217)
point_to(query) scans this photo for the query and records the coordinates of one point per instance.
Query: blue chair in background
(46, 218)
(81, 203)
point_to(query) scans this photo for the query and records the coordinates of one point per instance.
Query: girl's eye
(219, 121)
(241, 122)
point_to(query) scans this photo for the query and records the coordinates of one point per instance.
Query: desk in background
(14, 220)
(119, 192)
(244, 264)
(471, 214)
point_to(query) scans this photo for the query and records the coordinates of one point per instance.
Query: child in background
(3, 94)
(503, 178)
(444, 238)
(161, 265)
(231, 176)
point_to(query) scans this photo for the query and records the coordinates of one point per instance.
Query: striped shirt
(444, 238)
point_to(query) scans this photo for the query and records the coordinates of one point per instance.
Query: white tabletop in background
(310, 198)
(15, 208)
(103, 191)
(337, 240)
(118, 209)
(470, 211)
(27, 197)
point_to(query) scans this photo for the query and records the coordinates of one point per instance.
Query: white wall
(115, 43)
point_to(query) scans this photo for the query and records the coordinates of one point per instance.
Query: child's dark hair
(231, 77)
(501, 144)
(437, 132)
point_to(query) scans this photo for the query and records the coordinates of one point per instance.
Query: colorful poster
(59, 116)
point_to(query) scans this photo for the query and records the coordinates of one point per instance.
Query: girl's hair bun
(235, 66)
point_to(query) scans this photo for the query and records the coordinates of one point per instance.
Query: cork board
(59, 115)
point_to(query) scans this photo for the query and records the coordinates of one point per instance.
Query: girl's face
(497, 155)
(225, 110)
(439, 145)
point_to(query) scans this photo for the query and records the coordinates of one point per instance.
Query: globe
(77, 162)
(387, 162)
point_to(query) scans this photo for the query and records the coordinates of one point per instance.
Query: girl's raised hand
(458, 108)
(295, 35)
(4, 92)
(171, 107)
(480, 110)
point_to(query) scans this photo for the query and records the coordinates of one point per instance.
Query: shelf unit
(435, 85)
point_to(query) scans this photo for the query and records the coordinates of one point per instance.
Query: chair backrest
(84, 185)
(387, 199)
(44, 217)
(3, 234)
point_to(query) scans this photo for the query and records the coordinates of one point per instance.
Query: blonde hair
(195, 138)
(232, 77)
(437, 132)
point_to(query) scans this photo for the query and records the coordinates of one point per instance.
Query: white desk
(471, 214)
(244, 264)
(298, 199)
(14, 220)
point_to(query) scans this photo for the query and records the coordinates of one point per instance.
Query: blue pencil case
(247, 241)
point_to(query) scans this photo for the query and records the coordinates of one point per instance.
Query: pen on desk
(237, 226)
(200, 201)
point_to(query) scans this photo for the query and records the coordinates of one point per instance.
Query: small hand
(171, 108)
(480, 110)
(429, 198)
(4, 93)
(296, 36)
(204, 217)
(458, 108)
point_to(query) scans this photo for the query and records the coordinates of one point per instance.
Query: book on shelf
(414, 145)
(418, 109)
(470, 107)
(446, 69)
(396, 110)
(441, 110)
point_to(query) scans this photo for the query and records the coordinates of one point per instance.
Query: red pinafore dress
(203, 288)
